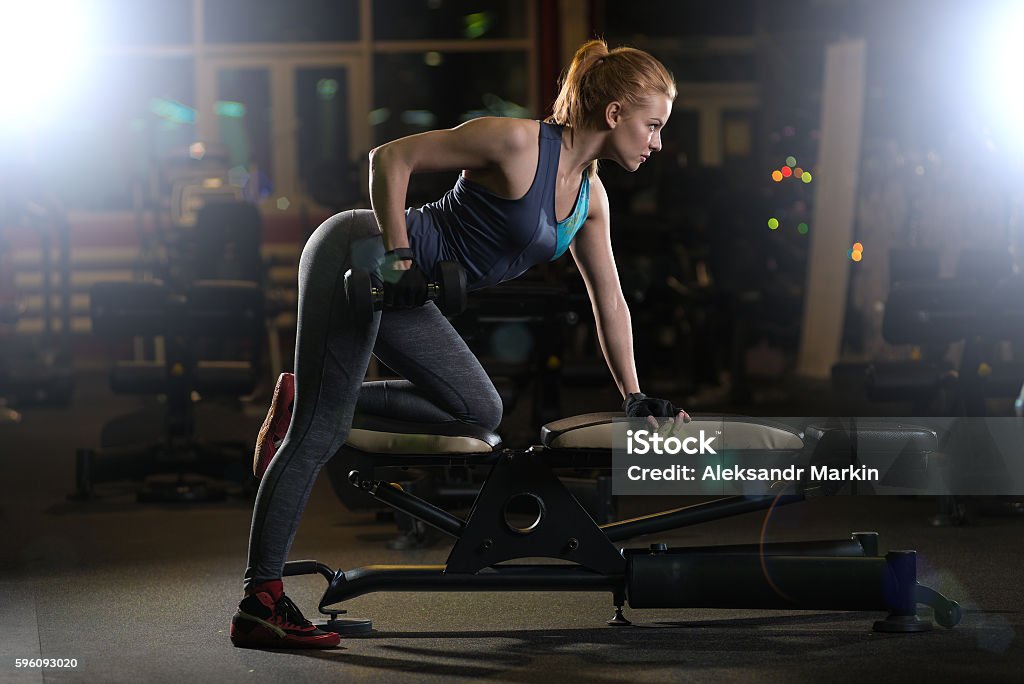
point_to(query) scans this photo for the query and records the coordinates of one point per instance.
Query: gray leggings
(444, 381)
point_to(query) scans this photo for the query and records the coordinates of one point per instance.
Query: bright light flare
(45, 50)
(1002, 56)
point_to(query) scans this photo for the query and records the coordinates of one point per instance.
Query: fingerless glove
(639, 405)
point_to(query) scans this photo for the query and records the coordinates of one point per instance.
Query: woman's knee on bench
(483, 407)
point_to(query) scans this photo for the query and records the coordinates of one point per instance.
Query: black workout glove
(639, 405)
(403, 288)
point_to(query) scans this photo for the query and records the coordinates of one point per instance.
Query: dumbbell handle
(448, 292)
(433, 290)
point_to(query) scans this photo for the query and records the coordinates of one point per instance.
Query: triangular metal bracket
(564, 530)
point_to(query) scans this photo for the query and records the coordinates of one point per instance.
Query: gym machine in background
(967, 339)
(36, 367)
(197, 318)
(212, 332)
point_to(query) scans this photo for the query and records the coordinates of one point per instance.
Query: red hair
(597, 76)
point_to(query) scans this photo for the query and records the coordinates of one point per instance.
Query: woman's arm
(477, 144)
(592, 250)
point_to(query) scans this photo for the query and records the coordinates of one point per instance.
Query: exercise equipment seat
(844, 574)
(381, 435)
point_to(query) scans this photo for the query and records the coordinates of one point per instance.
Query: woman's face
(636, 130)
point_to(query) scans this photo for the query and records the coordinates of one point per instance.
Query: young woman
(528, 192)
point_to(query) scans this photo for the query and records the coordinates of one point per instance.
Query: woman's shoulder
(516, 134)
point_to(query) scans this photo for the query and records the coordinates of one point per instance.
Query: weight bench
(936, 314)
(847, 574)
(212, 330)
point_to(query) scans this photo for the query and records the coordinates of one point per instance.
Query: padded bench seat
(594, 432)
(380, 435)
(590, 431)
(885, 437)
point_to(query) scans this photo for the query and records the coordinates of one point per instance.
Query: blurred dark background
(121, 120)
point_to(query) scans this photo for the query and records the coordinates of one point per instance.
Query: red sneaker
(275, 425)
(263, 622)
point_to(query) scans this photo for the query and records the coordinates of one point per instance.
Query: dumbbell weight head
(452, 293)
(363, 298)
(449, 293)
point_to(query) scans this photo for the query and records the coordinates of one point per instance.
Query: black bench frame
(847, 574)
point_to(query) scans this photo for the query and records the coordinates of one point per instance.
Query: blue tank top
(494, 238)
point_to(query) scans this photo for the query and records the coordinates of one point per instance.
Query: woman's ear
(613, 114)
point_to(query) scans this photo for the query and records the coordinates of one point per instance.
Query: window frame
(283, 59)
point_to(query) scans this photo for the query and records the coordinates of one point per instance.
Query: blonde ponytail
(597, 76)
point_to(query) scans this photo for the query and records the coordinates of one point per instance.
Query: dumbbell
(448, 293)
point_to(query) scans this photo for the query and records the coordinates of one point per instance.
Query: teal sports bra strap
(566, 230)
